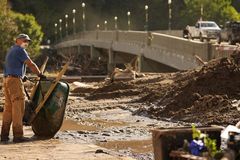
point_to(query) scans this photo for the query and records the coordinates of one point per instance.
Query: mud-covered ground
(206, 95)
(120, 115)
(111, 123)
(115, 124)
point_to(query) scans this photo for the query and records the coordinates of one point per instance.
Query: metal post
(55, 25)
(146, 18)
(105, 25)
(201, 18)
(169, 14)
(74, 21)
(66, 24)
(60, 28)
(98, 27)
(116, 22)
(129, 20)
(83, 17)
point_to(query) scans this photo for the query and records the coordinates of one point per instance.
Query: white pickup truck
(204, 30)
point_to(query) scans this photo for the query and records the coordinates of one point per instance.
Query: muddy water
(133, 146)
(116, 129)
(137, 146)
(113, 125)
(71, 125)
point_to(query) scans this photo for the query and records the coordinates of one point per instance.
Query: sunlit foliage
(27, 24)
(216, 10)
(14, 23)
(8, 29)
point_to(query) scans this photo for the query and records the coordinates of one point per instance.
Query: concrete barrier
(176, 33)
(170, 50)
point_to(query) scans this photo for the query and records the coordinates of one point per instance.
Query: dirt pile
(208, 95)
(113, 90)
(205, 96)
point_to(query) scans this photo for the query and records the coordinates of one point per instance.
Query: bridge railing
(161, 45)
(136, 37)
(123, 36)
(180, 46)
(106, 35)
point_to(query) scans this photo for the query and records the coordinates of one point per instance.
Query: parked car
(204, 30)
(230, 33)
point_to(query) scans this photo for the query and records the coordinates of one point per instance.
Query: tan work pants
(14, 107)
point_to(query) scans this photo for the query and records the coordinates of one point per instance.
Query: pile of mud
(208, 95)
(114, 90)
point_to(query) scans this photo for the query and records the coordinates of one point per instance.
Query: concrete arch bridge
(153, 52)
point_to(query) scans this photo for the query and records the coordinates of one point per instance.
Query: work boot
(21, 139)
(4, 139)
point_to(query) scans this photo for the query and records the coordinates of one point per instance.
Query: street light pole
(66, 24)
(60, 28)
(116, 22)
(105, 25)
(169, 15)
(201, 18)
(146, 18)
(83, 17)
(98, 26)
(129, 20)
(55, 25)
(74, 21)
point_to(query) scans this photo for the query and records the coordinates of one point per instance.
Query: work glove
(42, 77)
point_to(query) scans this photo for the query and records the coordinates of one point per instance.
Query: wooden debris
(199, 60)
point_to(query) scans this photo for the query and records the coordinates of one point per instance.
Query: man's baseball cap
(23, 36)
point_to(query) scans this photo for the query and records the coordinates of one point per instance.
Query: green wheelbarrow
(47, 108)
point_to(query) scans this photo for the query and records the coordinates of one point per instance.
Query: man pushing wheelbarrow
(45, 96)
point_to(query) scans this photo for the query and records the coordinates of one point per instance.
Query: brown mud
(113, 124)
(120, 115)
(65, 145)
(206, 95)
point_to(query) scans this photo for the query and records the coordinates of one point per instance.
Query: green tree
(27, 24)
(8, 29)
(97, 11)
(14, 23)
(216, 10)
